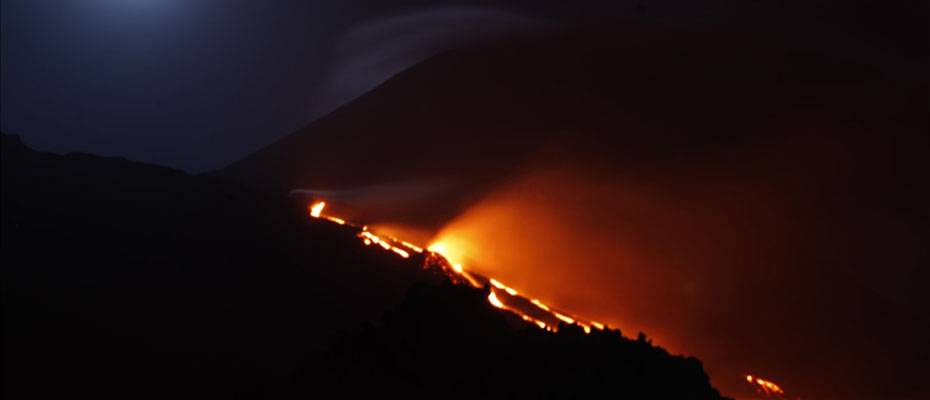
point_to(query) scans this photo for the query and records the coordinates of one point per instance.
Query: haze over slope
(747, 197)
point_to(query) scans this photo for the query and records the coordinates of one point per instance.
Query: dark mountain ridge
(128, 280)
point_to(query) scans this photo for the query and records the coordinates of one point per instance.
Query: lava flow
(766, 387)
(444, 257)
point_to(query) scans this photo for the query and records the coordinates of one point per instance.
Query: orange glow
(495, 301)
(540, 304)
(764, 386)
(316, 209)
(464, 250)
(567, 319)
(455, 251)
(412, 246)
(468, 277)
(447, 253)
(339, 221)
(438, 248)
(503, 287)
(400, 252)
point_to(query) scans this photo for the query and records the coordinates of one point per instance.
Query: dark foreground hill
(123, 280)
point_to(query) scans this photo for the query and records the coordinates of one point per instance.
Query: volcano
(634, 209)
(124, 279)
(730, 190)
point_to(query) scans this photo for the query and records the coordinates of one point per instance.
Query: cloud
(371, 52)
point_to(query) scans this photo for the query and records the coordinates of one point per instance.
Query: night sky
(198, 85)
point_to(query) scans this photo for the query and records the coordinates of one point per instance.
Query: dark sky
(197, 85)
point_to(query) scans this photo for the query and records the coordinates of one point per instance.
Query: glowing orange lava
(495, 301)
(540, 304)
(450, 258)
(503, 287)
(316, 209)
(413, 247)
(339, 221)
(763, 386)
(567, 319)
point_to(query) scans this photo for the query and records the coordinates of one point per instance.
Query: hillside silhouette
(443, 341)
(128, 280)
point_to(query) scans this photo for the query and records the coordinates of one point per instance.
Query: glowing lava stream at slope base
(501, 296)
(766, 387)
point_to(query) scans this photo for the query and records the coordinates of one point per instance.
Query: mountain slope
(121, 278)
(127, 280)
(624, 94)
(754, 196)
